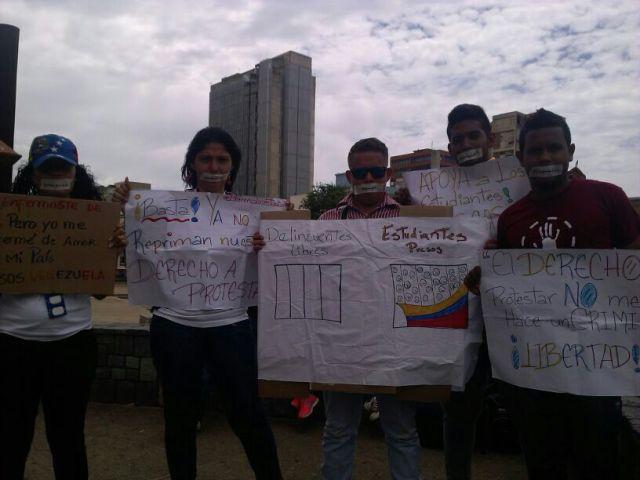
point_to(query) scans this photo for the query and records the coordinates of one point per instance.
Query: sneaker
(306, 406)
(371, 406)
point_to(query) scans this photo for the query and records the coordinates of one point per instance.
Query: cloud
(129, 81)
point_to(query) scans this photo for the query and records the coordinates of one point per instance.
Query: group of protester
(48, 355)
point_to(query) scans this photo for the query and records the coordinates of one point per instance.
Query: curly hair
(540, 119)
(84, 186)
(467, 111)
(200, 141)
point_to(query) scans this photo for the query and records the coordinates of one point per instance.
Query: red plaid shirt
(388, 208)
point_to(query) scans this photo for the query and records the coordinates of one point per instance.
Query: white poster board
(368, 302)
(564, 320)
(193, 250)
(482, 190)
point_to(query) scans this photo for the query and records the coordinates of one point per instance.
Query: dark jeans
(561, 432)
(180, 354)
(460, 416)
(58, 374)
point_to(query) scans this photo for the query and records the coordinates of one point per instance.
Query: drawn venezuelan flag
(452, 312)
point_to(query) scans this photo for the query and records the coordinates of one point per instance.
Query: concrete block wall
(125, 373)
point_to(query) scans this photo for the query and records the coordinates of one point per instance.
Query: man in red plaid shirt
(368, 173)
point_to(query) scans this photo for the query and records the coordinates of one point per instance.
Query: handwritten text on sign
(564, 320)
(482, 190)
(56, 245)
(193, 250)
(368, 302)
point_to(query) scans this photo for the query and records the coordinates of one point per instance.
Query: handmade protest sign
(56, 245)
(368, 302)
(482, 190)
(564, 320)
(193, 250)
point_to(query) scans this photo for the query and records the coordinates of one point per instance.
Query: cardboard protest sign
(564, 320)
(368, 302)
(56, 245)
(482, 190)
(193, 250)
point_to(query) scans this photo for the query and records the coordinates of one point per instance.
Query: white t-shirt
(26, 317)
(218, 317)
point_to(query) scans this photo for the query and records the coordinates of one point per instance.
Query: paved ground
(125, 443)
(116, 309)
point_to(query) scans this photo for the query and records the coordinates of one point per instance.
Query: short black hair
(370, 144)
(467, 111)
(84, 186)
(543, 119)
(200, 141)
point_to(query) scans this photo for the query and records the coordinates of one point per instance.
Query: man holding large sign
(368, 173)
(560, 213)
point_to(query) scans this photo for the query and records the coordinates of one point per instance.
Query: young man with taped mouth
(572, 213)
(470, 140)
(368, 174)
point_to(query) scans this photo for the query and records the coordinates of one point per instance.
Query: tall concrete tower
(270, 112)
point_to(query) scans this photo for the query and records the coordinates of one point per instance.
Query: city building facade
(270, 112)
(506, 128)
(416, 160)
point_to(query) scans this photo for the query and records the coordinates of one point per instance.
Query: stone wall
(125, 372)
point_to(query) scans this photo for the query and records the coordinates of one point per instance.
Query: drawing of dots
(408, 298)
(415, 290)
(398, 278)
(400, 299)
(436, 271)
(407, 285)
(420, 269)
(394, 269)
(405, 272)
(137, 196)
(399, 288)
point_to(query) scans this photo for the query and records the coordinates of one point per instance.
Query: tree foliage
(323, 197)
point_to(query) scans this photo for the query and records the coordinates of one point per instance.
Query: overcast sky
(128, 81)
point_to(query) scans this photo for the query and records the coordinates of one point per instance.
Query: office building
(506, 128)
(416, 160)
(270, 111)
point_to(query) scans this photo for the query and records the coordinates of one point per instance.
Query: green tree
(323, 197)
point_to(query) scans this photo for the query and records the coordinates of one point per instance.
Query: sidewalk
(126, 443)
(116, 309)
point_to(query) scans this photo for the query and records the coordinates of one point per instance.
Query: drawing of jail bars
(311, 292)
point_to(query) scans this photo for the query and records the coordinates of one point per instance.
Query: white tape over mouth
(213, 177)
(56, 184)
(546, 171)
(368, 188)
(469, 156)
